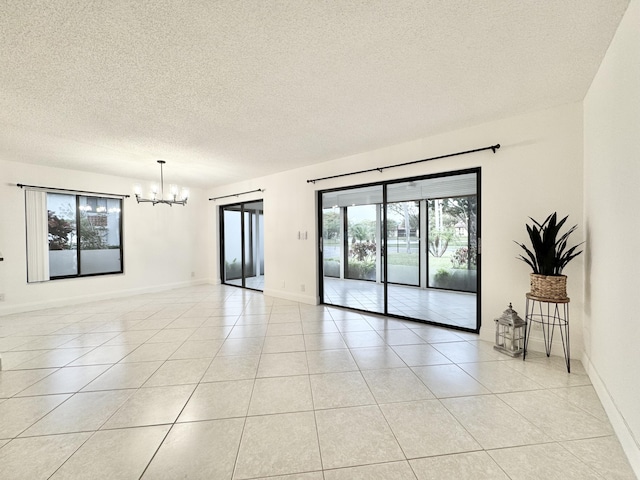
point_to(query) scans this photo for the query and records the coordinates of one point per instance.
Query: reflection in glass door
(242, 245)
(426, 266)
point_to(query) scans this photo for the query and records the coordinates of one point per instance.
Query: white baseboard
(626, 437)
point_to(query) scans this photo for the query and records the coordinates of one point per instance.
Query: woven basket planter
(551, 287)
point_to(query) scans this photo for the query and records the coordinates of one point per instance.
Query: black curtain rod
(380, 169)
(21, 185)
(237, 194)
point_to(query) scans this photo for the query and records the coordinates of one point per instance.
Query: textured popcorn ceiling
(228, 90)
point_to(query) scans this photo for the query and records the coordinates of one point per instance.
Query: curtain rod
(380, 169)
(54, 189)
(238, 194)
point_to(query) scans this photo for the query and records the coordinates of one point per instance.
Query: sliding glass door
(404, 254)
(406, 248)
(352, 248)
(242, 244)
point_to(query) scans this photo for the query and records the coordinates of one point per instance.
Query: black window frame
(79, 231)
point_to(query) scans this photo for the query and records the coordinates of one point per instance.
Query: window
(82, 233)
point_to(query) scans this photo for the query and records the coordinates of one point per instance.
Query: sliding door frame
(243, 240)
(423, 243)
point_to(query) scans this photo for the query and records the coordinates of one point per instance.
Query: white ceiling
(234, 89)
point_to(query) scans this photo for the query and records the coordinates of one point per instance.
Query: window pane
(63, 255)
(403, 243)
(253, 242)
(352, 248)
(362, 233)
(243, 252)
(249, 244)
(453, 243)
(99, 235)
(331, 241)
(232, 246)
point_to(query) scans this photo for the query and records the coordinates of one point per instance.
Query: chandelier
(159, 198)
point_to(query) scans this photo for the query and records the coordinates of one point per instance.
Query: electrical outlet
(1, 297)
(193, 274)
(302, 287)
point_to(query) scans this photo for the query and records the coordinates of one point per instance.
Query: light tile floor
(216, 382)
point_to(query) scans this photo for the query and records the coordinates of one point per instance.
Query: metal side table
(550, 313)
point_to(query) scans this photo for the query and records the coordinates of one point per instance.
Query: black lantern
(510, 329)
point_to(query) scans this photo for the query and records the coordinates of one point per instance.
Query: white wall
(162, 244)
(612, 197)
(537, 171)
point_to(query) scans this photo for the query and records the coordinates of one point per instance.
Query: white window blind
(37, 236)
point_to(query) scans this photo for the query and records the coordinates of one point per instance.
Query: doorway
(242, 244)
(406, 248)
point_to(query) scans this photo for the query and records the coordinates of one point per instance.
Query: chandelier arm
(155, 200)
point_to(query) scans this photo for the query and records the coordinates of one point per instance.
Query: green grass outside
(412, 259)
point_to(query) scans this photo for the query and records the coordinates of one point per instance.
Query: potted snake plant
(548, 256)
